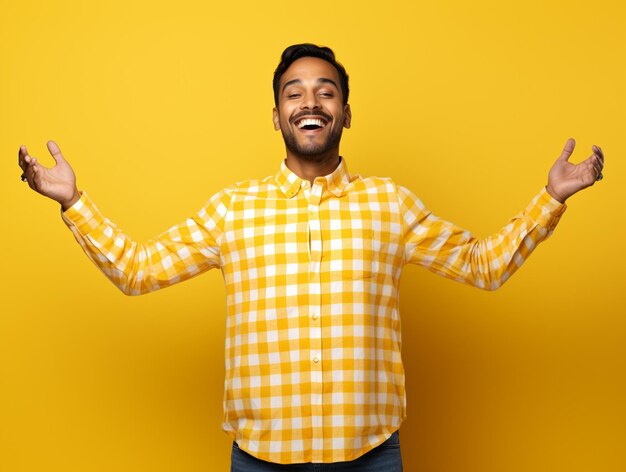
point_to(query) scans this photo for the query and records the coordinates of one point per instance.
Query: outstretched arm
(183, 251)
(453, 252)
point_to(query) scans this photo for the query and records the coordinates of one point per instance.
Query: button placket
(315, 331)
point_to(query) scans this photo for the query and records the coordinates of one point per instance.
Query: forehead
(310, 68)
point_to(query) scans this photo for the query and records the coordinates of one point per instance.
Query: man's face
(310, 112)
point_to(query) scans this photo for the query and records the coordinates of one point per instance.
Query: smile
(311, 123)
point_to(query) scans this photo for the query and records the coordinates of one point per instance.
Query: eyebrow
(321, 80)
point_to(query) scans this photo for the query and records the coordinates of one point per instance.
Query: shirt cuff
(83, 215)
(545, 210)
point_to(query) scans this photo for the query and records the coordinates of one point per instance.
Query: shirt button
(316, 359)
(315, 316)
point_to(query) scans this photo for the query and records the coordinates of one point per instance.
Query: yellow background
(157, 105)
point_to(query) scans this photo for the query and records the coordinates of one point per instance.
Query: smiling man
(312, 259)
(311, 111)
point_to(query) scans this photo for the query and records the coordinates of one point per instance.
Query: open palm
(565, 178)
(57, 182)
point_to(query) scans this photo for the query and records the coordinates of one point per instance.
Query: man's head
(297, 51)
(311, 96)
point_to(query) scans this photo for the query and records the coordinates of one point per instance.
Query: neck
(308, 169)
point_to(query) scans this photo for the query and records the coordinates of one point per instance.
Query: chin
(312, 151)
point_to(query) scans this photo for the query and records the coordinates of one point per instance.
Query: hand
(565, 178)
(57, 183)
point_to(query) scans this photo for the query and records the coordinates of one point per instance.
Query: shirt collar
(289, 183)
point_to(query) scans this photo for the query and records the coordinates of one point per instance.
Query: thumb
(567, 150)
(56, 152)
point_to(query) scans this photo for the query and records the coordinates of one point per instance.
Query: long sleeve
(181, 252)
(453, 252)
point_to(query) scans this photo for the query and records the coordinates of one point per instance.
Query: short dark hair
(298, 51)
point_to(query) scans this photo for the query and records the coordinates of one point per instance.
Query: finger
(600, 160)
(55, 151)
(30, 160)
(37, 176)
(598, 150)
(598, 167)
(593, 166)
(32, 163)
(567, 150)
(20, 157)
(596, 160)
(30, 175)
(21, 154)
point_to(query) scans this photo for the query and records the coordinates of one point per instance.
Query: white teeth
(310, 121)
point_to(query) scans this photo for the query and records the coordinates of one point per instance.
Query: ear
(276, 119)
(347, 116)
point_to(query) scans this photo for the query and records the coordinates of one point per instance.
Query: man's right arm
(183, 251)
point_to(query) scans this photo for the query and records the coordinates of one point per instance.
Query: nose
(310, 101)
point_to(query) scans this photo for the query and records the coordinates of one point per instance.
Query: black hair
(297, 51)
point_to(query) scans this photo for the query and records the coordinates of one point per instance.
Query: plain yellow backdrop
(157, 105)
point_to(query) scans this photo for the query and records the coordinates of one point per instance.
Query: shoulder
(397, 193)
(372, 184)
(252, 187)
(375, 184)
(246, 187)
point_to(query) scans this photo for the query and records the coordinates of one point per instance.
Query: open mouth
(311, 124)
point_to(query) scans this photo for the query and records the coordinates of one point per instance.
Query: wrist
(66, 204)
(559, 198)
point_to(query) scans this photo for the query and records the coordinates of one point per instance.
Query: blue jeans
(384, 458)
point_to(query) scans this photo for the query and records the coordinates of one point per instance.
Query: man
(312, 259)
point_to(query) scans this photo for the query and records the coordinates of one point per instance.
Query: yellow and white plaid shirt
(313, 365)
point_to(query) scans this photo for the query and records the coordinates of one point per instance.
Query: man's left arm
(487, 263)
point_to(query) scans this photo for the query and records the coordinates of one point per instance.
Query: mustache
(326, 116)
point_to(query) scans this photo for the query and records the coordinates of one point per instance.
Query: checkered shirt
(312, 272)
